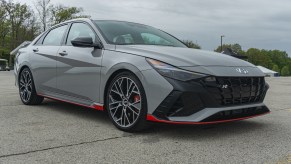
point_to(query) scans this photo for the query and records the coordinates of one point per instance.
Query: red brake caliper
(136, 98)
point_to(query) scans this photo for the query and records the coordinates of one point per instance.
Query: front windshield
(125, 33)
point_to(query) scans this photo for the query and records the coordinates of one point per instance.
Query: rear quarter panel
(21, 60)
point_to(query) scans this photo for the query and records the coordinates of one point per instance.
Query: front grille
(228, 91)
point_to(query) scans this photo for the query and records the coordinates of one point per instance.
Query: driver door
(78, 68)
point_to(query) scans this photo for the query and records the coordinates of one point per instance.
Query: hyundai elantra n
(137, 74)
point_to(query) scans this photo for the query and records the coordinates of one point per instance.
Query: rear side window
(55, 36)
(80, 30)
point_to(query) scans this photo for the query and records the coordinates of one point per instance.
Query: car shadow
(79, 111)
(158, 131)
(202, 132)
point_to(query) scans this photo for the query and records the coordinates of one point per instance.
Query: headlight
(173, 72)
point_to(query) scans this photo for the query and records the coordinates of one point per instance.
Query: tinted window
(124, 33)
(54, 37)
(154, 39)
(80, 30)
(39, 41)
(123, 39)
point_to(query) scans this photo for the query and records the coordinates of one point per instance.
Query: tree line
(20, 22)
(275, 60)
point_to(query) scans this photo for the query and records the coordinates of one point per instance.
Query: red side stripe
(154, 119)
(97, 107)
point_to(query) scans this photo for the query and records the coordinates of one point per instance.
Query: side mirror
(85, 42)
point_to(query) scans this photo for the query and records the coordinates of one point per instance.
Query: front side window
(55, 36)
(80, 30)
(126, 33)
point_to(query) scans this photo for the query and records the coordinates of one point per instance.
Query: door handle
(35, 50)
(64, 53)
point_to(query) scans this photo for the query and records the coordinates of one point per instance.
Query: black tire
(33, 99)
(141, 122)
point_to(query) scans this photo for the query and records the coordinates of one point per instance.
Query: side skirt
(95, 106)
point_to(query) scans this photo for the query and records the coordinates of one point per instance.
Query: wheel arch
(20, 70)
(115, 70)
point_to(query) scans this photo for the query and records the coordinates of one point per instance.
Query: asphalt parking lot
(56, 132)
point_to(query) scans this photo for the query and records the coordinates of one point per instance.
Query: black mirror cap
(85, 42)
(97, 45)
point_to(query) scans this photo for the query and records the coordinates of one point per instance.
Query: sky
(263, 24)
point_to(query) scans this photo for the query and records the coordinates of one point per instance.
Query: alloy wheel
(25, 86)
(124, 102)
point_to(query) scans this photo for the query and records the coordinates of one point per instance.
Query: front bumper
(204, 102)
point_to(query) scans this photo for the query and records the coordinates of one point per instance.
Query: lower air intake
(238, 113)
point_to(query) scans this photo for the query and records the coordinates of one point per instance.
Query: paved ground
(56, 132)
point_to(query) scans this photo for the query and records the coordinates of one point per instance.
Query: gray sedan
(138, 74)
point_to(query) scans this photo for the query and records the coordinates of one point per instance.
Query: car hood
(183, 57)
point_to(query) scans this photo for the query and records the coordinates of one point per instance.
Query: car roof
(72, 20)
(91, 20)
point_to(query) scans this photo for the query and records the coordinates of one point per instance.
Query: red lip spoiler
(154, 119)
(94, 106)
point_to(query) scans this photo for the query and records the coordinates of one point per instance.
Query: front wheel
(27, 90)
(126, 103)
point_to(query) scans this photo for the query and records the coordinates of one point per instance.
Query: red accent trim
(97, 107)
(154, 119)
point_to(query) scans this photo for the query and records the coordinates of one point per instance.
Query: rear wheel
(126, 103)
(27, 90)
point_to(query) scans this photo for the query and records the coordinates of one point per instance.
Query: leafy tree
(258, 57)
(190, 44)
(289, 65)
(17, 14)
(14, 26)
(224, 46)
(276, 68)
(19, 23)
(285, 71)
(4, 30)
(62, 13)
(235, 48)
(278, 57)
(43, 9)
(30, 28)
